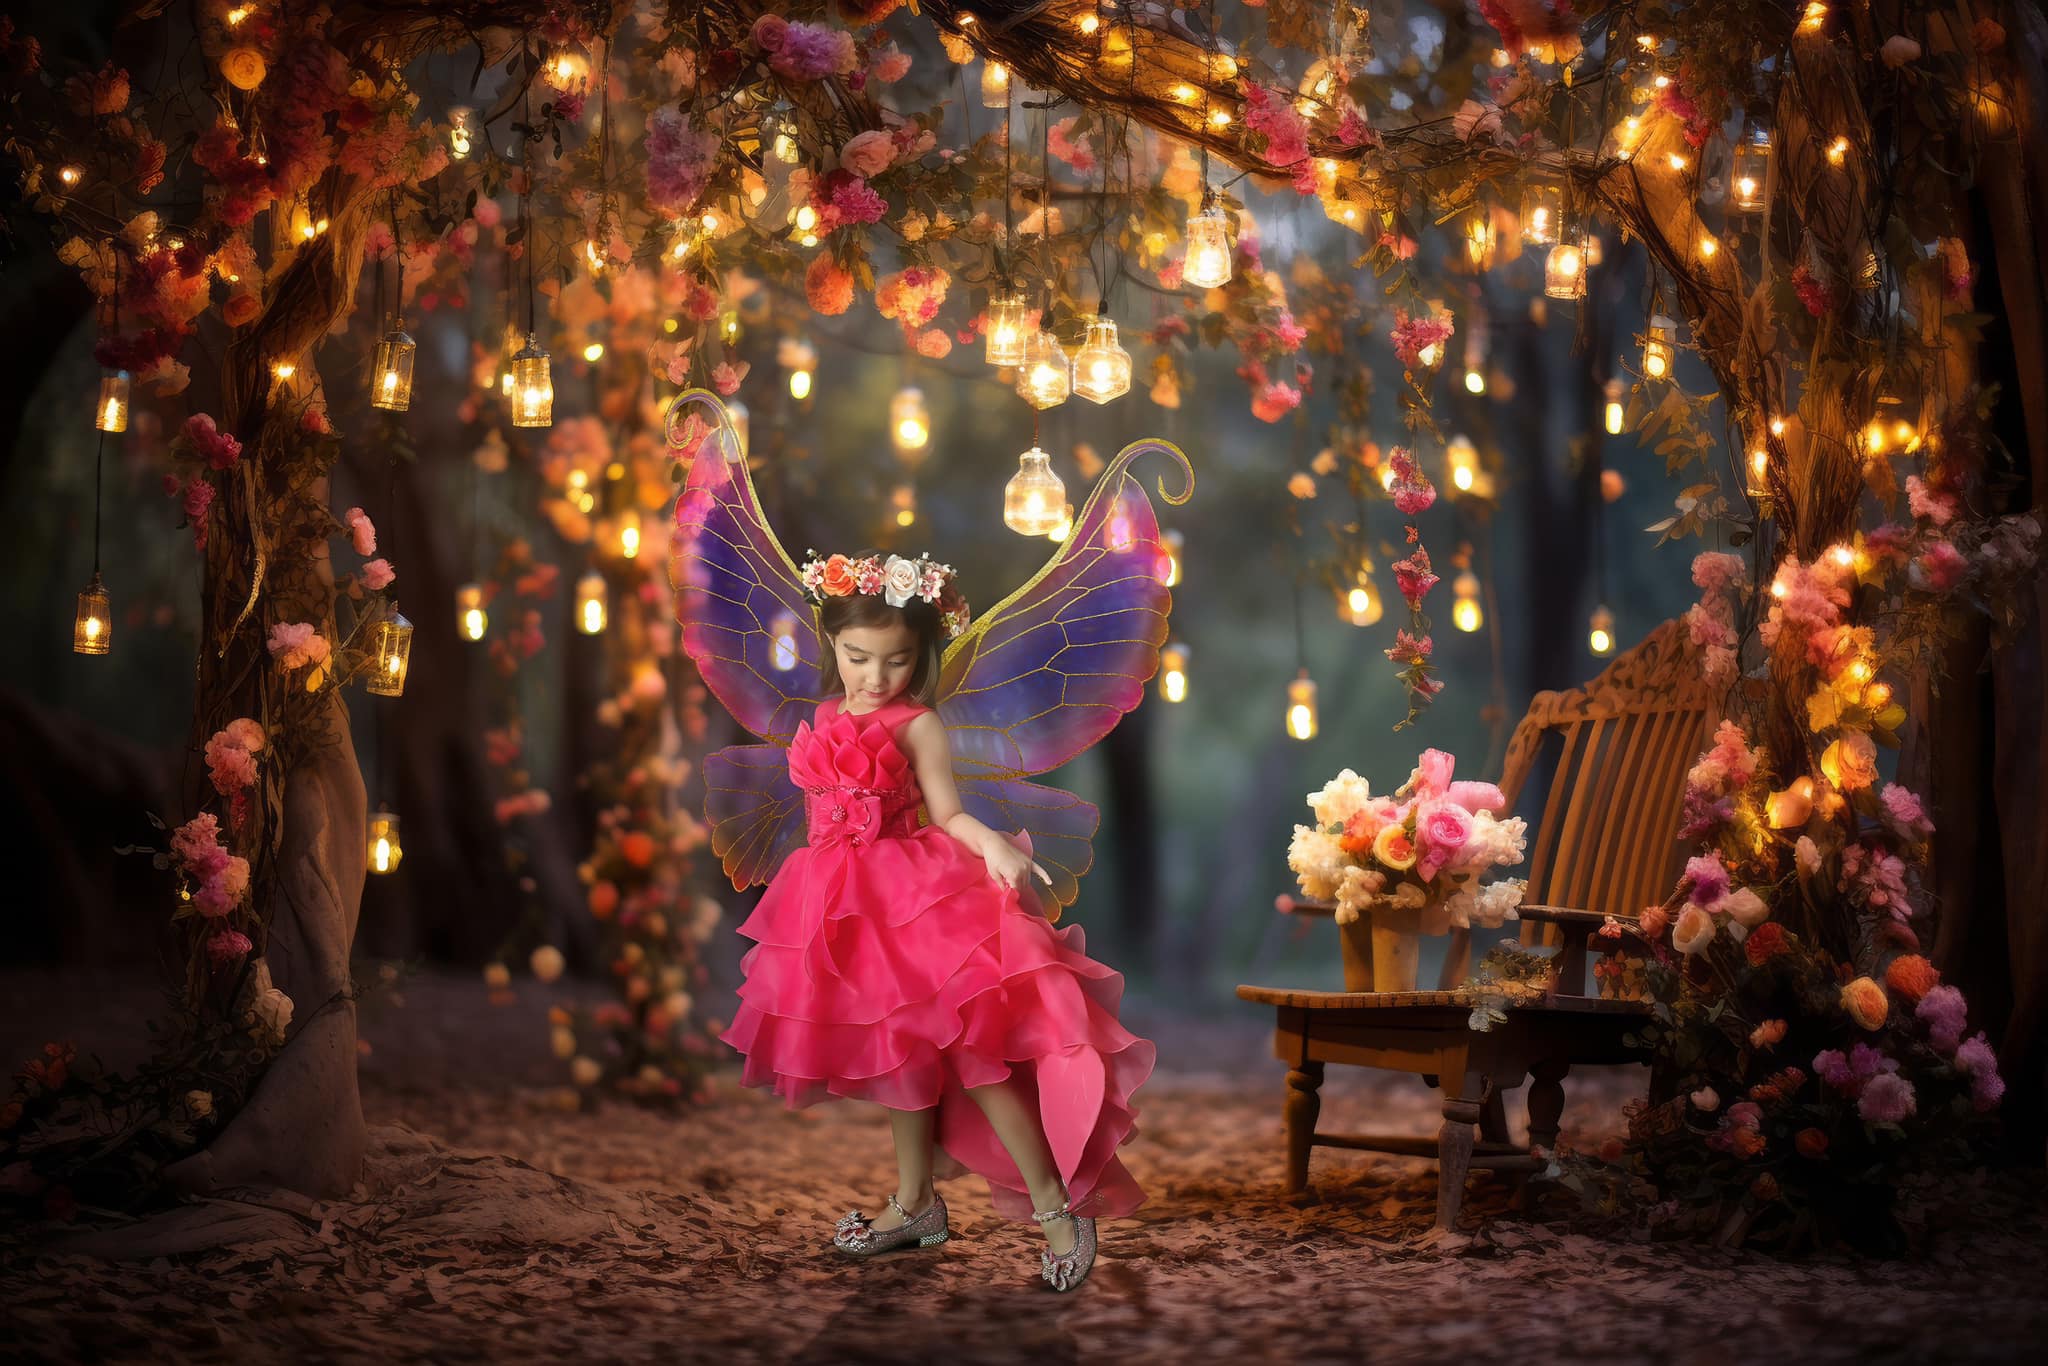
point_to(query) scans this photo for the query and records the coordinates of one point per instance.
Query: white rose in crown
(900, 578)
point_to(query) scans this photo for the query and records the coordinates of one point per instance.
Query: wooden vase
(1382, 948)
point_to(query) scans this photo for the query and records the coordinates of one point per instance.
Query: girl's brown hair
(871, 609)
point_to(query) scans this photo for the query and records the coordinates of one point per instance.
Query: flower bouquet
(1411, 862)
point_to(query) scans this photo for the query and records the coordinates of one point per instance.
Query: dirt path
(519, 1231)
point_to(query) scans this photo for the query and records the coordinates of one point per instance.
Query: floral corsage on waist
(897, 579)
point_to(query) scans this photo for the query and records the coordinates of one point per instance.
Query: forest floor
(493, 1224)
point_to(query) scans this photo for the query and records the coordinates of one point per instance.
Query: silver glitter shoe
(1070, 1268)
(856, 1236)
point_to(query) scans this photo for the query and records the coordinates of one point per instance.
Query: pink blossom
(1413, 493)
(1281, 132)
(933, 344)
(215, 446)
(1353, 130)
(1706, 880)
(378, 574)
(231, 767)
(1904, 812)
(869, 153)
(1412, 336)
(1936, 505)
(1414, 578)
(295, 643)
(1940, 568)
(1442, 830)
(1946, 1014)
(246, 732)
(197, 499)
(843, 198)
(1274, 401)
(888, 65)
(810, 52)
(1975, 1060)
(227, 946)
(769, 32)
(912, 296)
(1716, 571)
(1886, 1099)
(362, 532)
(1076, 152)
(191, 841)
(1407, 649)
(679, 160)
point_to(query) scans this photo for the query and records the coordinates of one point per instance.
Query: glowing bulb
(1208, 263)
(470, 618)
(1170, 545)
(995, 85)
(1676, 161)
(1362, 605)
(629, 536)
(112, 413)
(1220, 118)
(1657, 354)
(1173, 673)
(1465, 611)
(590, 603)
(1184, 92)
(1430, 355)
(237, 15)
(70, 175)
(284, 369)
(1614, 413)
(1301, 707)
(1838, 151)
(594, 352)
(1708, 246)
(799, 384)
(1816, 14)
(1088, 24)
(1600, 632)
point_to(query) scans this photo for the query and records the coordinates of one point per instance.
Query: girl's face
(875, 662)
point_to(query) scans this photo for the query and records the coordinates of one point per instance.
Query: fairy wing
(1049, 670)
(753, 636)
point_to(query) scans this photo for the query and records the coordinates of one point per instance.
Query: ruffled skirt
(900, 972)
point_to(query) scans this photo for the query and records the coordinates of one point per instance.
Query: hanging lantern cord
(99, 449)
(397, 266)
(526, 184)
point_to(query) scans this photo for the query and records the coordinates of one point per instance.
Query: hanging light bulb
(461, 131)
(533, 386)
(590, 603)
(1004, 344)
(1173, 672)
(903, 498)
(1600, 632)
(1614, 414)
(995, 85)
(1461, 463)
(111, 415)
(1171, 543)
(1208, 262)
(1102, 368)
(470, 617)
(391, 372)
(800, 359)
(629, 534)
(1751, 173)
(1542, 214)
(1064, 527)
(390, 656)
(92, 630)
(1034, 500)
(1475, 378)
(910, 424)
(385, 850)
(1362, 604)
(1564, 270)
(1044, 376)
(1657, 352)
(742, 427)
(1465, 612)
(1301, 707)
(1756, 471)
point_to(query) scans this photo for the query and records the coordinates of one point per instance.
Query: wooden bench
(1617, 752)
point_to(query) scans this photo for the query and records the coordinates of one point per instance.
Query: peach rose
(1769, 1034)
(869, 153)
(838, 580)
(1693, 931)
(1911, 976)
(1866, 1003)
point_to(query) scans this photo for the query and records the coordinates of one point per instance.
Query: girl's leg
(913, 1130)
(1025, 1141)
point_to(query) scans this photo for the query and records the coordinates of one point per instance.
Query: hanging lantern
(1102, 368)
(390, 656)
(1600, 632)
(1006, 330)
(800, 359)
(508, 352)
(1482, 246)
(1208, 259)
(470, 617)
(1171, 544)
(533, 386)
(995, 85)
(1657, 353)
(1614, 414)
(461, 131)
(1034, 501)
(1045, 376)
(391, 372)
(903, 498)
(1461, 463)
(910, 425)
(112, 413)
(629, 534)
(1362, 604)
(590, 603)
(1173, 673)
(1301, 707)
(742, 421)
(1465, 612)
(1756, 471)
(92, 630)
(1564, 270)
(1542, 214)
(1751, 174)
(385, 852)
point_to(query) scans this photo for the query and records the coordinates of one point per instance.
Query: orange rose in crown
(1427, 845)
(839, 579)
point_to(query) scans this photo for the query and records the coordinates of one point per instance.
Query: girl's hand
(1010, 866)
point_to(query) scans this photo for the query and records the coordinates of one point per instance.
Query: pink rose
(869, 153)
(1443, 831)
(378, 574)
(362, 532)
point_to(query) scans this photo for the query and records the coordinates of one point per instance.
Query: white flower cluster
(1318, 861)
(1487, 907)
(1342, 796)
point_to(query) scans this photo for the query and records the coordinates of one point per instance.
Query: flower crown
(896, 579)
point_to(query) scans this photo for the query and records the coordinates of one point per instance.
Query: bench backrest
(1617, 751)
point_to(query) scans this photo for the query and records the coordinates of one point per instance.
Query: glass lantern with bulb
(391, 372)
(1004, 343)
(1208, 263)
(591, 596)
(910, 424)
(533, 386)
(1658, 357)
(1564, 269)
(1173, 672)
(1102, 368)
(385, 851)
(1034, 501)
(1600, 632)
(1613, 414)
(1542, 214)
(1749, 178)
(1301, 707)
(92, 629)
(995, 85)
(1461, 463)
(390, 656)
(112, 413)
(1045, 376)
(1465, 611)
(471, 620)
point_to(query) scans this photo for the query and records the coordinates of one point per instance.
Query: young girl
(908, 963)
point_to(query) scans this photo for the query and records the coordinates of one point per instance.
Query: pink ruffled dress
(889, 966)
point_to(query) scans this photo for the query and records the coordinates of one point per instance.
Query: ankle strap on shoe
(1046, 1216)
